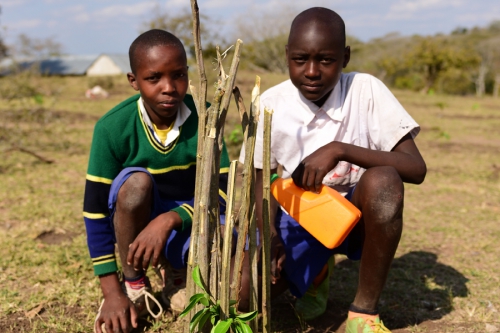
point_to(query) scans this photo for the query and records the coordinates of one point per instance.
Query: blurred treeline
(462, 62)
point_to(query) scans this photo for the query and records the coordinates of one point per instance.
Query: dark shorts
(306, 256)
(177, 246)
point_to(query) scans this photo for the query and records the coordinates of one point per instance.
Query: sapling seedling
(212, 310)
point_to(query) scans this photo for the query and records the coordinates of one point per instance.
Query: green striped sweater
(122, 139)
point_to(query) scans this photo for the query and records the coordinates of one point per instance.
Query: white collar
(332, 106)
(180, 119)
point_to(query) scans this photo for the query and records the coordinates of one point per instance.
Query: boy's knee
(382, 192)
(135, 192)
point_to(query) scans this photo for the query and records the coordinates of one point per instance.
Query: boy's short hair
(319, 15)
(149, 39)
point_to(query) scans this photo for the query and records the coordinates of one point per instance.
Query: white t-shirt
(360, 111)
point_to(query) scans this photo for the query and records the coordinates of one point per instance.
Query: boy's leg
(380, 196)
(132, 214)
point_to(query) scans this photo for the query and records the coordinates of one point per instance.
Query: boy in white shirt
(349, 132)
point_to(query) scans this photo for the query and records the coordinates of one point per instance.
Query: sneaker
(360, 325)
(313, 303)
(142, 299)
(174, 287)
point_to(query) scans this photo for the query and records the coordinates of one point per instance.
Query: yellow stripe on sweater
(99, 179)
(94, 215)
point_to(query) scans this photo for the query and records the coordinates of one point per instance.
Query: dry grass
(445, 277)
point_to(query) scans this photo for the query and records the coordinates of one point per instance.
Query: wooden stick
(200, 97)
(29, 152)
(228, 241)
(266, 222)
(252, 252)
(245, 210)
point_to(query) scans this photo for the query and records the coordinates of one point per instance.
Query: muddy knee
(382, 194)
(135, 193)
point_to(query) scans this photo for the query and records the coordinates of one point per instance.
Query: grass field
(445, 277)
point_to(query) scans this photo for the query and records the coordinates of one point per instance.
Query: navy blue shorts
(177, 246)
(305, 255)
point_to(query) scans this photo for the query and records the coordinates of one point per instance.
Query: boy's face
(315, 57)
(161, 76)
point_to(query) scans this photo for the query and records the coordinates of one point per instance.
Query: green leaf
(247, 316)
(195, 299)
(197, 278)
(214, 318)
(222, 326)
(245, 328)
(196, 319)
(205, 300)
(232, 311)
(237, 326)
(232, 302)
(203, 320)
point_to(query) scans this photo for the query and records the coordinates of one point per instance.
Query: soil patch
(54, 237)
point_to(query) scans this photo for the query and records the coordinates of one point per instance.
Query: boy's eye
(299, 59)
(327, 60)
(180, 75)
(152, 78)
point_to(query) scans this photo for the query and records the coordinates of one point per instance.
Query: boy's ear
(347, 56)
(132, 81)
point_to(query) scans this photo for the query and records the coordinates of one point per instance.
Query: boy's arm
(404, 157)
(277, 250)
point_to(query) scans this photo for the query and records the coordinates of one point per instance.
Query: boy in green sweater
(140, 183)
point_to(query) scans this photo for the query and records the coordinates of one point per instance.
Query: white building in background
(109, 64)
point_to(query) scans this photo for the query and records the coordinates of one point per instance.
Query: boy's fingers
(97, 325)
(311, 181)
(146, 258)
(133, 316)
(138, 259)
(124, 325)
(131, 252)
(318, 182)
(156, 257)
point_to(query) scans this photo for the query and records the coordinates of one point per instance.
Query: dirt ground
(445, 277)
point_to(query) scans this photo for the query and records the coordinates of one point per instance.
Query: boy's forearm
(405, 158)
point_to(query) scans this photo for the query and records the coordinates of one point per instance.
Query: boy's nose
(312, 69)
(167, 86)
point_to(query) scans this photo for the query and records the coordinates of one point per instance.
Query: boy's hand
(310, 172)
(278, 256)
(149, 244)
(118, 314)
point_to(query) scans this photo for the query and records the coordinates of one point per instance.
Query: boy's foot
(361, 325)
(174, 287)
(142, 298)
(313, 303)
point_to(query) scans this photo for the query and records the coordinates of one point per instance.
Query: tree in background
(434, 57)
(3, 47)
(180, 26)
(37, 48)
(265, 37)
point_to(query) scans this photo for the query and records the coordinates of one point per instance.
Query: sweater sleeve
(102, 169)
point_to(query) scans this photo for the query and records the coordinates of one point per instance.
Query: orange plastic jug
(327, 216)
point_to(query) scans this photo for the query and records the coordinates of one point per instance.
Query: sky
(109, 26)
